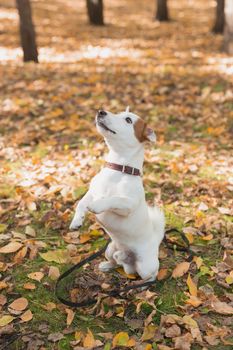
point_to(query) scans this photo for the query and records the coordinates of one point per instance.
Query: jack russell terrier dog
(116, 195)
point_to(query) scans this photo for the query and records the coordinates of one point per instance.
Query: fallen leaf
(120, 339)
(49, 306)
(5, 319)
(89, 340)
(54, 272)
(19, 304)
(222, 307)
(70, 316)
(54, 337)
(162, 274)
(192, 286)
(225, 211)
(180, 269)
(29, 286)
(203, 207)
(59, 256)
(3, 285)
(37, 276)
(19, 256)
(30, 231)
(3, 299)
(149, 332)
(183, 342)
(26, 316)
(194, 301)
(173, 331)
(11, 247)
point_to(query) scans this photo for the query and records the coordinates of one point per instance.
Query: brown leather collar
(123, 168)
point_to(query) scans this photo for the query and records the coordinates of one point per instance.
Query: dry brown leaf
(37, 276)
(3, 285)
(49, 306)
(222, 307)
(18, 258)
(29, 286)
(162, 274)
(180, 269)
(11, 247)
(19, 304)
(54, 272)
(70, 316)
(184, 342)
(26, 316)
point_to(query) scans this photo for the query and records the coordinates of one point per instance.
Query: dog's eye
(128, 120)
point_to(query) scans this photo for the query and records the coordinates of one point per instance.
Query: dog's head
(125, 129)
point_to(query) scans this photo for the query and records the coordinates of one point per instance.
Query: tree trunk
(27, 31)
(95, 10)
(228, 30)
(219, 17)
(162, 10)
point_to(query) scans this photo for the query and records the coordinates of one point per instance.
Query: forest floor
(176, 77)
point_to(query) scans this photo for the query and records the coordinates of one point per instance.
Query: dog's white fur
(118, 200)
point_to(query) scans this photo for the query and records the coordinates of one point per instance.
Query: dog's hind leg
(108, 265)
(148, 268)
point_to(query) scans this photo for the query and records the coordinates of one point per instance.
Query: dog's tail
(158, 221)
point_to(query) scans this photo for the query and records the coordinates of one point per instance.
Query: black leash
(116, 292)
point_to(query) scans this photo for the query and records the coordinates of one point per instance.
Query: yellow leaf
(149, 332)
(19, 304)
(12, 247)
(84, 238)
(122, 272)
(120, 339)
(131, 342)
(192, 286)
(70, 316)
(37, 276)
(189, 237)
(26, 316)
(59, 256)
(189, 321)
(194, 301)
(148, 347)
(89, 340)
(4, 320)
(208, 237)
(229, 279)
(198, 260)
(180, 269)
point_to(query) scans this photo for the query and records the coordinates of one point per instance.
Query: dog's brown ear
(142, 132)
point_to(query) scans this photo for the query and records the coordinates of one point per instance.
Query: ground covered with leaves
(173, 75)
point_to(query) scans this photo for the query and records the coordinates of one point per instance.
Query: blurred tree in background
(95, 10)
(220, 17)
(162, 10)
(228, 30)
(27, 31)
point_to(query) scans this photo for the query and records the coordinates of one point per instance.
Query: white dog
(116, 195)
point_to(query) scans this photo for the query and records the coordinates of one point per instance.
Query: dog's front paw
(96, 207)
(76, 223)
(106, 266)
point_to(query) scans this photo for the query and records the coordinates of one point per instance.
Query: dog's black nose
(102, 113)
